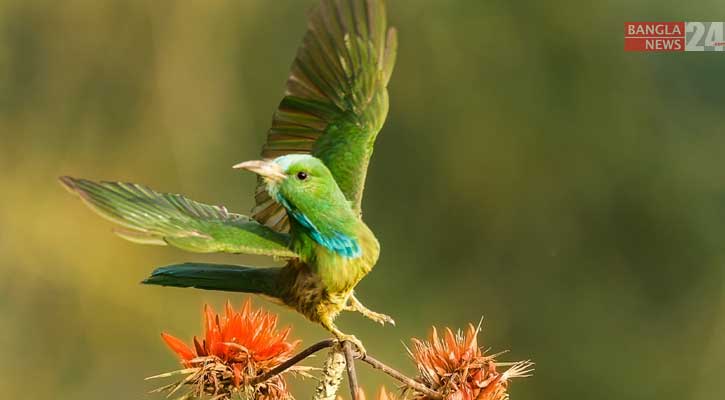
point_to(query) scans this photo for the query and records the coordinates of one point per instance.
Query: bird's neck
(331, 224)
(334, 233)
(330, 263)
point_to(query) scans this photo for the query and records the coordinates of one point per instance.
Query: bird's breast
(340, 274)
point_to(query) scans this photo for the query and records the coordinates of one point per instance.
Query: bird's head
(304, 186)
(298, 181)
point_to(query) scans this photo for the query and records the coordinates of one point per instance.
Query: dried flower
(237, 347)
(455, 366)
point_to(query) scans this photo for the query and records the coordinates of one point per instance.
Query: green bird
(310, 186)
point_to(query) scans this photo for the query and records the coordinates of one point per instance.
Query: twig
(351, 375)
(294, 360)
(399, 376)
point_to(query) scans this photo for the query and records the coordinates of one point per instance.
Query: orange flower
(382, 395)
(237, 347)
(455, 366)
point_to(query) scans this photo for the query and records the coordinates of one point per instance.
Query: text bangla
(654, 30)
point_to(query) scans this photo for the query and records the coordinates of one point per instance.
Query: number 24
(714, 34)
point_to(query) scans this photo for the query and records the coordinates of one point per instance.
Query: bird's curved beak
(267, 169)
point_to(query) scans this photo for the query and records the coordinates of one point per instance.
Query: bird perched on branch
(310, 186)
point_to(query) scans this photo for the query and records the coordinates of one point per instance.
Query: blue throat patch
(338, 242)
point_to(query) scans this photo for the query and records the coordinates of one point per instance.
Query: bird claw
(355, 341)
(382, 319)
(356, 305)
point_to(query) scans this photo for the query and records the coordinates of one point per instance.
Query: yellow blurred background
(530, 172)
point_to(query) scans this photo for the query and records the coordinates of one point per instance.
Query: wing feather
(150, 217)
(336, 98)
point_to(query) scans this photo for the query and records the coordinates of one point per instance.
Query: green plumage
(336, 99)
(230, 278)
(150, 217)
(308, 198)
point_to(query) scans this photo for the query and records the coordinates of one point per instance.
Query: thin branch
(350, 355)
(294, 360)
(399, 376)
(351, 375)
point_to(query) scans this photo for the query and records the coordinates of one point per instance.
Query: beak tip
(264, 168)
(244, 165)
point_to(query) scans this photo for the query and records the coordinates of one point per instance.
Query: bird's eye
(302, 175)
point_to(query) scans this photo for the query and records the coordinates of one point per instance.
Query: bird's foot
(355, 305)
(352, 339)
(382, 319)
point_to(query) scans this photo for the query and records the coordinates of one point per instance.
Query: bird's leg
(341, 337)
(355, 305)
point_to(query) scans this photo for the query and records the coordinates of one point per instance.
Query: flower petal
(178, 347)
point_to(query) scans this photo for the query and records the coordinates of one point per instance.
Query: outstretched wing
(336, 99)
(150, 217)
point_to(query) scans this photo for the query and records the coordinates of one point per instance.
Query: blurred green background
(530, 172)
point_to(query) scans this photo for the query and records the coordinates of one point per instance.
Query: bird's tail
(229, 278)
